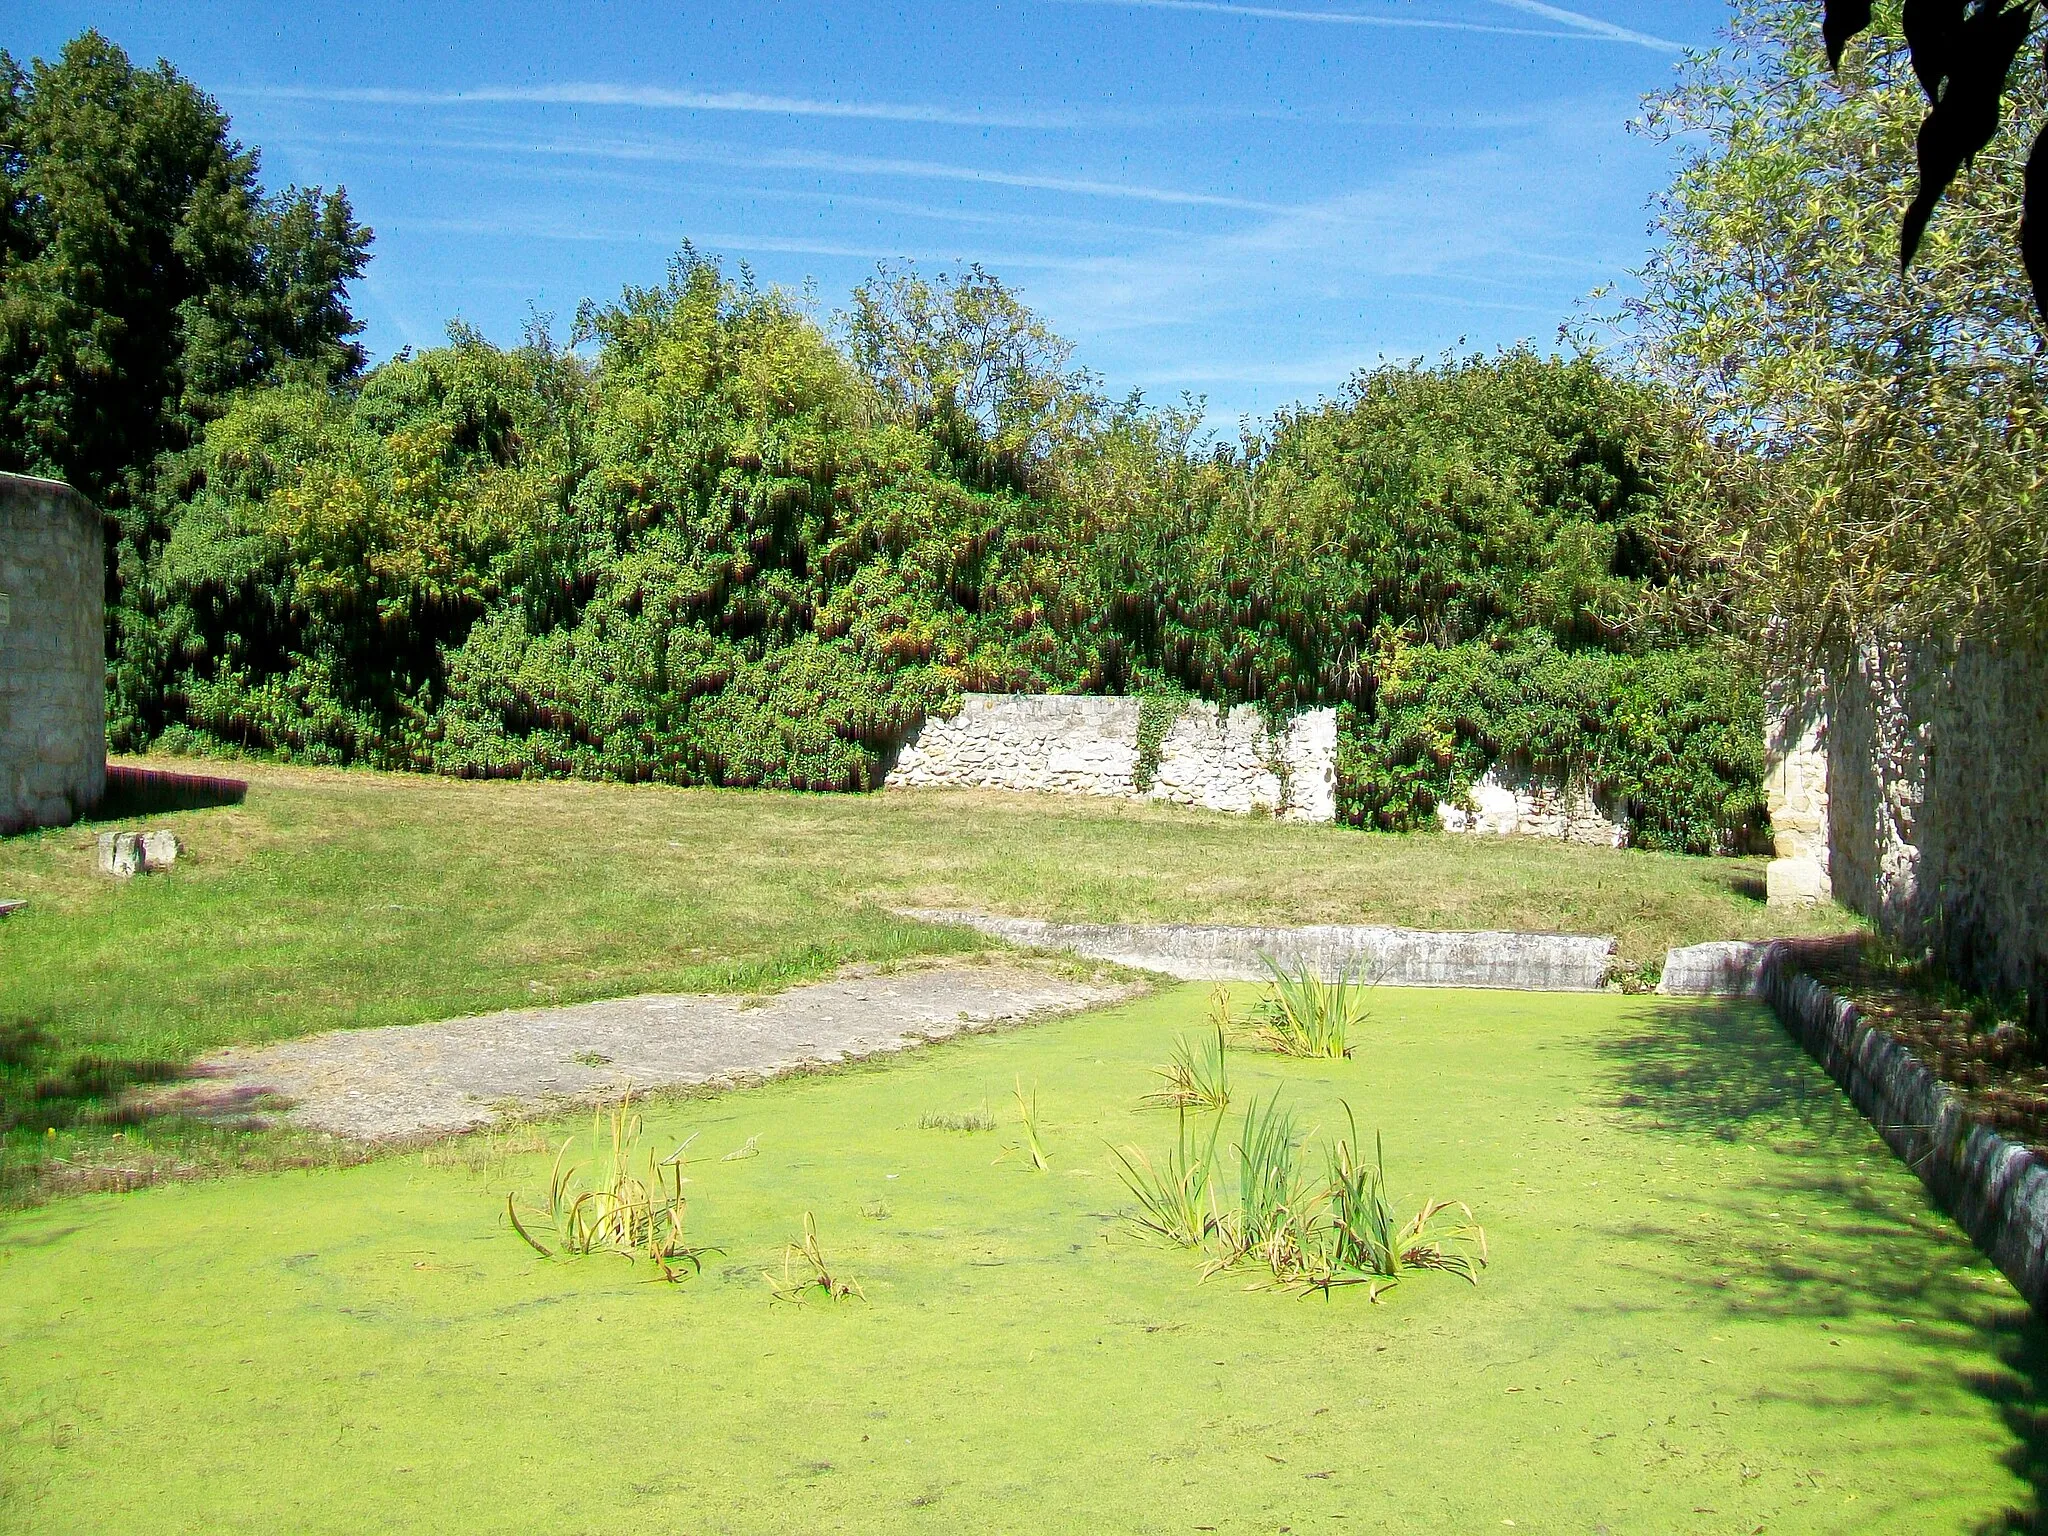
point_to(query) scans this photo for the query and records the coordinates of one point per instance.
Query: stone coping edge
(1996, 1189)
(1394, 957)
(25, 486)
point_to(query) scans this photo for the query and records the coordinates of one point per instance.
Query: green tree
(145, 277)
(1885, 430)
(962, 356)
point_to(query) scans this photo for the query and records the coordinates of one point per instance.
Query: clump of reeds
(1266, 1224)
(964, 1120)
(804, 1270)
(1031, 1148)
(1195, 1075)
(618, 1211)
(1176, 1200)
(1307, 1235)
(1304, 1015)
(1363, 1238)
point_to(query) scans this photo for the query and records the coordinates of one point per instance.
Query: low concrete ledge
(1730, 968)
(1996, 1189)
(1397, 957)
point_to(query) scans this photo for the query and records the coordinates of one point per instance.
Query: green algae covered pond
(1715, 1303)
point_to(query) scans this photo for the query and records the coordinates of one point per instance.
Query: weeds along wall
(726, 548)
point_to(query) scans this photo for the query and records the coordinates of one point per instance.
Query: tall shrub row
(704, 549)
(714, 541)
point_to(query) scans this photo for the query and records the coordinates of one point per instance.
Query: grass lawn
(332, 899)
(1716, 1304)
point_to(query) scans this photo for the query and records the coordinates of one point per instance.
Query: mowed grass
(1715, 1304)
(341, 899)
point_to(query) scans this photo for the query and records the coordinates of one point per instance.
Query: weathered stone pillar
(1796, 791)
(53, 668)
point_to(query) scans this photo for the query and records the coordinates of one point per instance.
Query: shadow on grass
(46, 1086)
(135, 792)
(74, 1120)
(1748, 886)
(48, 1089)
(1860, 1256)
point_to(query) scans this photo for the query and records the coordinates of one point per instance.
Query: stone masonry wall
(1064, 744)
(1510, 801)
(53, 721)
(1796, 792)
(1935, 798)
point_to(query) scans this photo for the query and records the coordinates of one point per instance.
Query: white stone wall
(1513, 802)
(1796, 792)
(1061, 744)
(53, 675)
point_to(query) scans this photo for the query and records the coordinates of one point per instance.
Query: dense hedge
(1670, 739)
(700, 561)
(710, 550)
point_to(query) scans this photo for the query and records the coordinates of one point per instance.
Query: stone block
(121, 855)
(1729, 968)
(125, 855)
(1795, 882)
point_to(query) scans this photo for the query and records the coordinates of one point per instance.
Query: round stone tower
(53, 663)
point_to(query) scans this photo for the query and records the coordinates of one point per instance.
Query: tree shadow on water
(1864, 1255)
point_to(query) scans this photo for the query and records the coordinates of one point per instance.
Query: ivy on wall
(1159, 710)
(1671, 740)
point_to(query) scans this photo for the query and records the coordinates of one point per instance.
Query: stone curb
(1394, 957)
(1726, 968)
(1996, 1189)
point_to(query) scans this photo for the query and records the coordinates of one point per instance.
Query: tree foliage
(144, 275)
(727, 551)
(709, 542)
(1962, 53)
(964, 358)
(1882, 431)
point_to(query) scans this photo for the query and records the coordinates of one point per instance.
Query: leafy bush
(1671, 739)
(728, 552)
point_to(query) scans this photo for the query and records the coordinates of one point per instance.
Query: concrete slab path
(410, 1080)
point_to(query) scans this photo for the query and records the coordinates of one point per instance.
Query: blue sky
(1243, 201)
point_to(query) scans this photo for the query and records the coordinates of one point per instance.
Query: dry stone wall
(53, 721)
(1933, 789)
(1512, 802)
(1216, 759)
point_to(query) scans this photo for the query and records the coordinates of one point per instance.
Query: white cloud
(1485, 230)
(661, 98)
(1576, 27)
(670, 237)
(829, 162)
(1592, 25)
